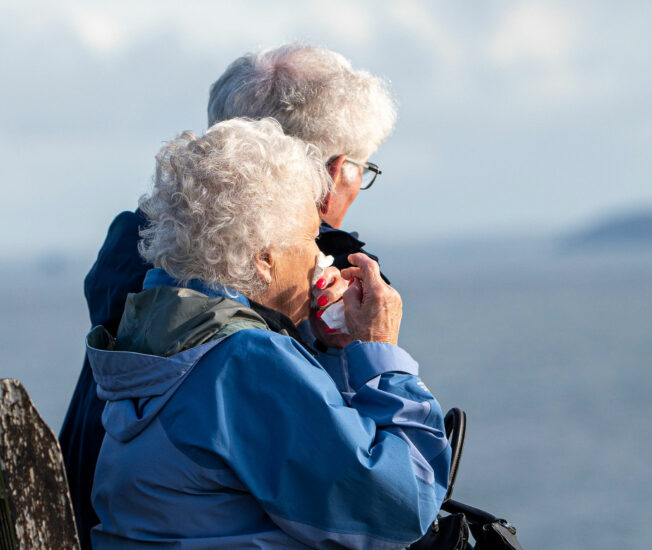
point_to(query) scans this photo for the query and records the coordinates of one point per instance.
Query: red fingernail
(320, 312)
(351, 281)
(322, 301)
(330, 330)
(320, 284)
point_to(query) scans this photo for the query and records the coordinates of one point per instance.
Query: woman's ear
(264, 263)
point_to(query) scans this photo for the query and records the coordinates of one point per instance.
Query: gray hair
(218, 200)
(314, 93)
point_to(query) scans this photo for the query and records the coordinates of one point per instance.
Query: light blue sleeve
(370, 473)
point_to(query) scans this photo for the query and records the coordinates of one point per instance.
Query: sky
(514, 116)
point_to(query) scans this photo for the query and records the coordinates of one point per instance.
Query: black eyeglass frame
(367, 166)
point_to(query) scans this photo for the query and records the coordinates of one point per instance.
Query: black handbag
(451, 532)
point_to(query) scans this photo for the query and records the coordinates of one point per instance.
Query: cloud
(536, 46)
(423, 23)
(344, 21)
(205, 26)
(99, 32)
(533, 33)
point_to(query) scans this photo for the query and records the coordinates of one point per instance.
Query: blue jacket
(244, 440)
(118, 271)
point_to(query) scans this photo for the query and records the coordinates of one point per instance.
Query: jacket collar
(158, 277)
(351, 237)
(276, 321)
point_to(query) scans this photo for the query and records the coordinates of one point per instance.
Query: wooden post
(36, 511)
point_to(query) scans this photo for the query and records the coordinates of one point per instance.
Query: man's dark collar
(326, 228)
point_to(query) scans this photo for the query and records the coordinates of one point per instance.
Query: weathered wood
(31, 464)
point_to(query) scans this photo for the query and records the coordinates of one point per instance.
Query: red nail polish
(330, 330)
(319, 313)
(322, 301)
(320, 284)
(351, 281)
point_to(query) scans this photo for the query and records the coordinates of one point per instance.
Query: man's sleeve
(368, 474)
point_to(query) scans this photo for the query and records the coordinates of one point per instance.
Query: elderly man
(317, 96)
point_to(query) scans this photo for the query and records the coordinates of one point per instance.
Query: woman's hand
(373, 309)
(329, 289)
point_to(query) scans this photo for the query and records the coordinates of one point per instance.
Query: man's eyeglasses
(369, 173)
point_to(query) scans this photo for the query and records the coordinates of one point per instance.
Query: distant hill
(633, 229)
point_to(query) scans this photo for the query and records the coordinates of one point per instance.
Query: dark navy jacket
(118, 271)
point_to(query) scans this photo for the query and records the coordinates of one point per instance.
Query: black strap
(473, 514)
(455, 422)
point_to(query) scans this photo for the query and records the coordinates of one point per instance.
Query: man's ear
(323, 208)
(335, 169)
(264, 264)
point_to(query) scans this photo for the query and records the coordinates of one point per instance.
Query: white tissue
(322, 263)
(333, 315)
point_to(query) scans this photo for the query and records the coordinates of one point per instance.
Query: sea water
(549, 354)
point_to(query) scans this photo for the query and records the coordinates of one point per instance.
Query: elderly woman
(223, 430)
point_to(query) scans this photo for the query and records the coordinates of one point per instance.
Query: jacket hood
(163, 333)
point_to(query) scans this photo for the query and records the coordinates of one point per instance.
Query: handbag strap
(455, 423)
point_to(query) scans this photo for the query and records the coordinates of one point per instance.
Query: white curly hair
(240, 189)
(314, 93)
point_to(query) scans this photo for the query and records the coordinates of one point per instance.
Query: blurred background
(514, 213)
